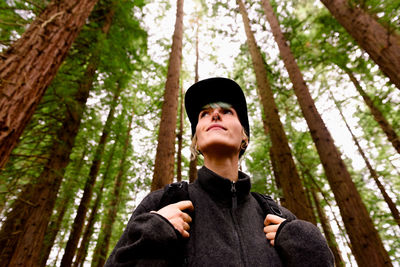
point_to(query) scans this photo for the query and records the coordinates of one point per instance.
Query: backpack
(179, 191)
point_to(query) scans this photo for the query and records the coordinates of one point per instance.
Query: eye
(204, 113)
(227, 111)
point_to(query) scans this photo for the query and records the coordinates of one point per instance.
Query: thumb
(185, 205)
(273, 219)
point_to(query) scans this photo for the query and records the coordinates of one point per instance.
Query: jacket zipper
(234, 197)
(236, 225)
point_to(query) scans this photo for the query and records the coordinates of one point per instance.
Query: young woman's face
(219, 131)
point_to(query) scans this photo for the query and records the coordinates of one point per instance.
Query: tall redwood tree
(30, 64)
(164, 162)
(381, 43)
(374, 174)
(194, 158)
(376, 113)
(293, 190)
(79, 220)
(366, 244)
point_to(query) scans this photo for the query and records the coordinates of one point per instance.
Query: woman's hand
(272, 223)
(175, 215)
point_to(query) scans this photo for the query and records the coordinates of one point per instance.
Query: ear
(244, 144)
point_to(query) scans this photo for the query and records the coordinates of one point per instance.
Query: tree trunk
(193, 161)
(330, 237)
(84, 245)
(180, 139)
(103, 242)
(342, 231)
(32, 210)
(366, 243)
(293, 191)
(382, 44)
(164, 162)
(392, 206)
(52, 231)
(326, 227)
(273, 162)
(309, 201)
(77, 226)
(55, 225)
(378, 116)
(30, 64)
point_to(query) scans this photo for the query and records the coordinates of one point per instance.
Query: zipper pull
(234, 199)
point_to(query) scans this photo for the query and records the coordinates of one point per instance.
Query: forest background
(92, 119)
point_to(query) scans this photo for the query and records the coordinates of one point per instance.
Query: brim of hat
(214, 90)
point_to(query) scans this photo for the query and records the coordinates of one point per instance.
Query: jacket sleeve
(300, 243)
(149, 238)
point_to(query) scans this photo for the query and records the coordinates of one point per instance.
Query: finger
(185, 205)
(271, 228)
(186, 217)
(271, 235)
(186, 226)
(272, 242)
(185, 234)
(273, 219)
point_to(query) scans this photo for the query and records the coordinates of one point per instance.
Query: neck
(225, 167)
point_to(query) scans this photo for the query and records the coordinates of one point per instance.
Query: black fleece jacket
(227, 230)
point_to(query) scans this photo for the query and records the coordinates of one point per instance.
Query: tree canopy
(88, 142)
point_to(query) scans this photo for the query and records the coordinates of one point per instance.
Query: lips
(215, 127)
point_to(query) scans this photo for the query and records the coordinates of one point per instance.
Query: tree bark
(326, 227)
(180, 138)
(103, 242)
(30, 64)
(392, 206)
(78, 223)
(382, 44)
(366, 243)
(293, 190)
(84, 245)
(193, 161)
(378, 116)
(52, 231)
(164, 162)
(55, 225)
(32, 210)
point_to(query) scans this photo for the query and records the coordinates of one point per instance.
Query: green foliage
(322, 48)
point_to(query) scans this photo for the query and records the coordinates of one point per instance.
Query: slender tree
(164, 162)
(381, 43)
(31, 212)
(103, 242)
(30, 64)
(378, 116)
(293, 190)
(79, 220)
(89, 228)
(326, 227)
(193, 158)
(392, 206)
(54, 227)
(366, 243)
(180, 138)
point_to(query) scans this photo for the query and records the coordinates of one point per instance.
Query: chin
(218, 149)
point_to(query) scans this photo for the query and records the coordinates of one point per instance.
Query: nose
(215, 115)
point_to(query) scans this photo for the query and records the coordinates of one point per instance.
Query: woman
(221, 224)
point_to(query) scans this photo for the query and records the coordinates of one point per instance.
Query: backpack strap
(268, 205)
(173, 193)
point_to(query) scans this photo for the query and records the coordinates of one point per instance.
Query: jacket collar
(220, 188)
